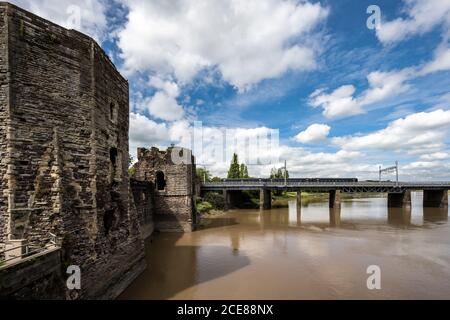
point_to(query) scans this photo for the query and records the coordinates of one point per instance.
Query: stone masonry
(64, 120)
(174, 187)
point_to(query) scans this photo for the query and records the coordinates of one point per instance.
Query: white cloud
(313, 134)
(435, 156)
(247, 41)
(383, 85)
(339, 103)
(169, 87)
(440, 62)
(419, 133)
(164, 105)
(422, 17)
(145, 131)
(342, 102)
(409, 134)
(91, 18)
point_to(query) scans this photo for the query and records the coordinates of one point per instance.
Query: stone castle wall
(174, 201)
(4, 89)
(143, 199)
(67, 150)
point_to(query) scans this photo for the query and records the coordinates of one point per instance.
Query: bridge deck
(319, 186)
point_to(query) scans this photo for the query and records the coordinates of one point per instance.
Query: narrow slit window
(160, 181)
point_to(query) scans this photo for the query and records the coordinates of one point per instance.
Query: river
(278, 254)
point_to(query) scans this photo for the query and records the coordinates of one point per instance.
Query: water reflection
(335, 217)
(399, 216)
(435, 215)
(307, 252)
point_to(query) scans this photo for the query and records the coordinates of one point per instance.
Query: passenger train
(299, 180)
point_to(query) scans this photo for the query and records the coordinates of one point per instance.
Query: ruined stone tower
(172, 174)
(64, 119)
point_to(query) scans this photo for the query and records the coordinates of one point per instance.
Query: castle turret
(172, 174)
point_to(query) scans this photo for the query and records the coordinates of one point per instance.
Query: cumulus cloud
(163, 104)
(435, 156)
(420, 134)
(421, 17)
(87, 16)
(246, 41)
(440, 62)
(343, 102)
(417, 134)
(313, 134)
(144, 131)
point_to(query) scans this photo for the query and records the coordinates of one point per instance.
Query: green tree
(203, 175)
(234, 172)
(278, 173)
(244, 172)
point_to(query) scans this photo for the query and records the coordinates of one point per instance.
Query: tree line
(238, 171)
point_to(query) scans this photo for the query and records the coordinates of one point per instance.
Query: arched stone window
(113, 112)
(160, 181)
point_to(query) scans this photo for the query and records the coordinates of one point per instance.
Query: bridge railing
(269, 183)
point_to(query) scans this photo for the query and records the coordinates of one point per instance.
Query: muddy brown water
(278, 254)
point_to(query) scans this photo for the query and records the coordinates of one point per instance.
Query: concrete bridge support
(335, 199)
(399, 200)
(265, 199)
(299, 203)
(335, 217)
(435, 199)
(335, 208)
(227, 199)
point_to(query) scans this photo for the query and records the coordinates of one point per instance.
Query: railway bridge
(399, 193)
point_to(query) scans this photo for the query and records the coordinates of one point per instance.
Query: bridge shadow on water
(173, 267)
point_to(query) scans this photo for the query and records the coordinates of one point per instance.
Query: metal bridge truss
(319, 186)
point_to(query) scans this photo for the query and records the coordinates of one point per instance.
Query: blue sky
(344, 98)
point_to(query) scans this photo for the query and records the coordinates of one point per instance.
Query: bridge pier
(335, 208)
(265, 199)
(299, 203)
(335, 199)
(435, 199)
(227, 199)
(399, 200)
(335, 217)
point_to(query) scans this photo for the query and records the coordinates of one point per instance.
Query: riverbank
(215, 206)
(307, 198)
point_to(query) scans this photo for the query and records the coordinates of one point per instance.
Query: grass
(283, 200)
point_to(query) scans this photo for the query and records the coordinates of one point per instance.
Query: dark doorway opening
(160, 181)
(113, 156)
